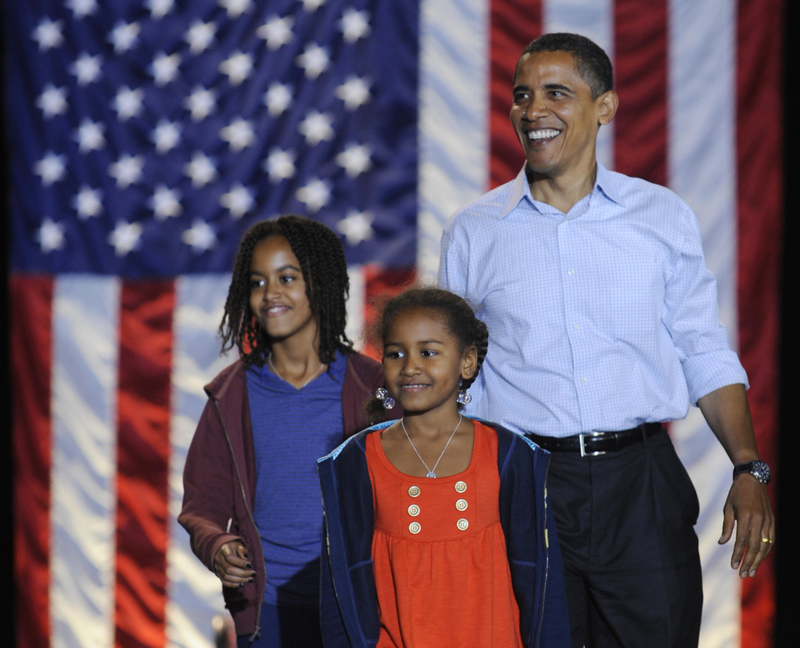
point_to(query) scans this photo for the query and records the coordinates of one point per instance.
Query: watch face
(760, 471)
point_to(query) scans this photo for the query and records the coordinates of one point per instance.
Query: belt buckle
(582, 443)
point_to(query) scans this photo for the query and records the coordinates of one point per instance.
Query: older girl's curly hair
(324, 268)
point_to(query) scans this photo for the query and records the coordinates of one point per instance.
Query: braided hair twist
(322, 261)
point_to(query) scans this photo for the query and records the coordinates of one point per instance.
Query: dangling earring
(383, 395)
(463, 397)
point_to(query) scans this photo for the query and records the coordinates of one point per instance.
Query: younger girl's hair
(456, 314)
(324, 268)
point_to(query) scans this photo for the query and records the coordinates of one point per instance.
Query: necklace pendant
(431, 475)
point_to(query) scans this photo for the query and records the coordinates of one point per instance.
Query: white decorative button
(414, 491)
(462, 524)
(415, 527)
(462, 505)
(461, 486)
(413, 510)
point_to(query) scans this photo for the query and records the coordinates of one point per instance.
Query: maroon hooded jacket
(219, 477)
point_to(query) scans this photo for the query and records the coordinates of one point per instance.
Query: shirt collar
(604, 183)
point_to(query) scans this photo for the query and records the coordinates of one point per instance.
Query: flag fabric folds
(146, 137)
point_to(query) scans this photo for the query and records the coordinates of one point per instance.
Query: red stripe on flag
(143, 452)
(640, 66)
(513, 25)
(31, 344)
(760, 214)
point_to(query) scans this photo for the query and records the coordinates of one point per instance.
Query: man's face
(554, 115)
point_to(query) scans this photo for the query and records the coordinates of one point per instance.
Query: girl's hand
(232, 565)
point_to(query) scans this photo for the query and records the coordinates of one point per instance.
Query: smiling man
(603, 325)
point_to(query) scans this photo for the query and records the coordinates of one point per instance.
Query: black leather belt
(597, 443)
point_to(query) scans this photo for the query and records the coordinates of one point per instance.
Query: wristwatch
(757, 469)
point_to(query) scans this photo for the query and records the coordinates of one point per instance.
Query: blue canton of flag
(147, 136)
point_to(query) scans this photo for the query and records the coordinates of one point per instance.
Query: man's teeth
(542, 134)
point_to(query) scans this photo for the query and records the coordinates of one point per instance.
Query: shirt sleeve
(454, 261)
(692, 318)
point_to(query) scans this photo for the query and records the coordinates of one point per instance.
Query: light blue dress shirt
(600, 319)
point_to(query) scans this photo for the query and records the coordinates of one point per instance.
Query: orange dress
(439, 553)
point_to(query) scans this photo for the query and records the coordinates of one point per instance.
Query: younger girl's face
(422, 363)
(278, 291)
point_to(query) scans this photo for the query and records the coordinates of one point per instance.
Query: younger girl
(438, 527)
(251, 495)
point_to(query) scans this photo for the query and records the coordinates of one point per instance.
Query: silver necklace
(431, 471)
(275, 371)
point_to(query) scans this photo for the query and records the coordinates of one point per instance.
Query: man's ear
(607, 104)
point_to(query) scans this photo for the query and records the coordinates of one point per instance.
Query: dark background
(787, 488)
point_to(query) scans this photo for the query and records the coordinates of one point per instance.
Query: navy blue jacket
(349, 602)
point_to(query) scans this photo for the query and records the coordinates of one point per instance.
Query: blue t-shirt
(292, 428)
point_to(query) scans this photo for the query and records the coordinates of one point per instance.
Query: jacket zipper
(257, 631)
(546, 559)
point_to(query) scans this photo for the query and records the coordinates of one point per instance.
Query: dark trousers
(286, 626)
(625, 522)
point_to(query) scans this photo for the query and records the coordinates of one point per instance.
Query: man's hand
(232, 566)
(748, 505)
(728, 415)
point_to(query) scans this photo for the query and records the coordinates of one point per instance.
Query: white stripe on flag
(453, 117)
(355, 306)
(595, 20)
(83, 487)
(702, 158)
(194, 595)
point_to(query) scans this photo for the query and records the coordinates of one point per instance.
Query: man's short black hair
(591, 61)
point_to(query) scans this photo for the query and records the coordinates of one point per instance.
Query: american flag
(144, 139)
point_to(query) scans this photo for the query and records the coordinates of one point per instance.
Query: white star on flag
(201, 103)
(276, 31)
(239, 134)
(356, 227)
(237, 67)
(200, 236)
(89, 136)
(201, 169)
(86, 68)
(127, 170)
(82, 8)
(48, 34)
(128, 103)
(355, 159)
(50, 235)
(52, 101)
(316, 127)
(165, 202)
(88, 202)
(165, 68)
(124, 36)
(235, 8)
(51, 168)
(279, 165)
(312, 5)
(314, 195)
(278, 98)
(159, 8)
(314, 60)
(125, 237)
(354, 92)
(166, 135)
(354, 25)
(238, 201)
(200, 35)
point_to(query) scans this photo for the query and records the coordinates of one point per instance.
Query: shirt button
(414, 491)
(462, 505)
(462, 524)
(415, 527)
(576, 326)
(570, 272)
(583, 379)
(413, 510)
(460, 486)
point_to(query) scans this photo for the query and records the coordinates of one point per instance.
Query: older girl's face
(278, 291)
